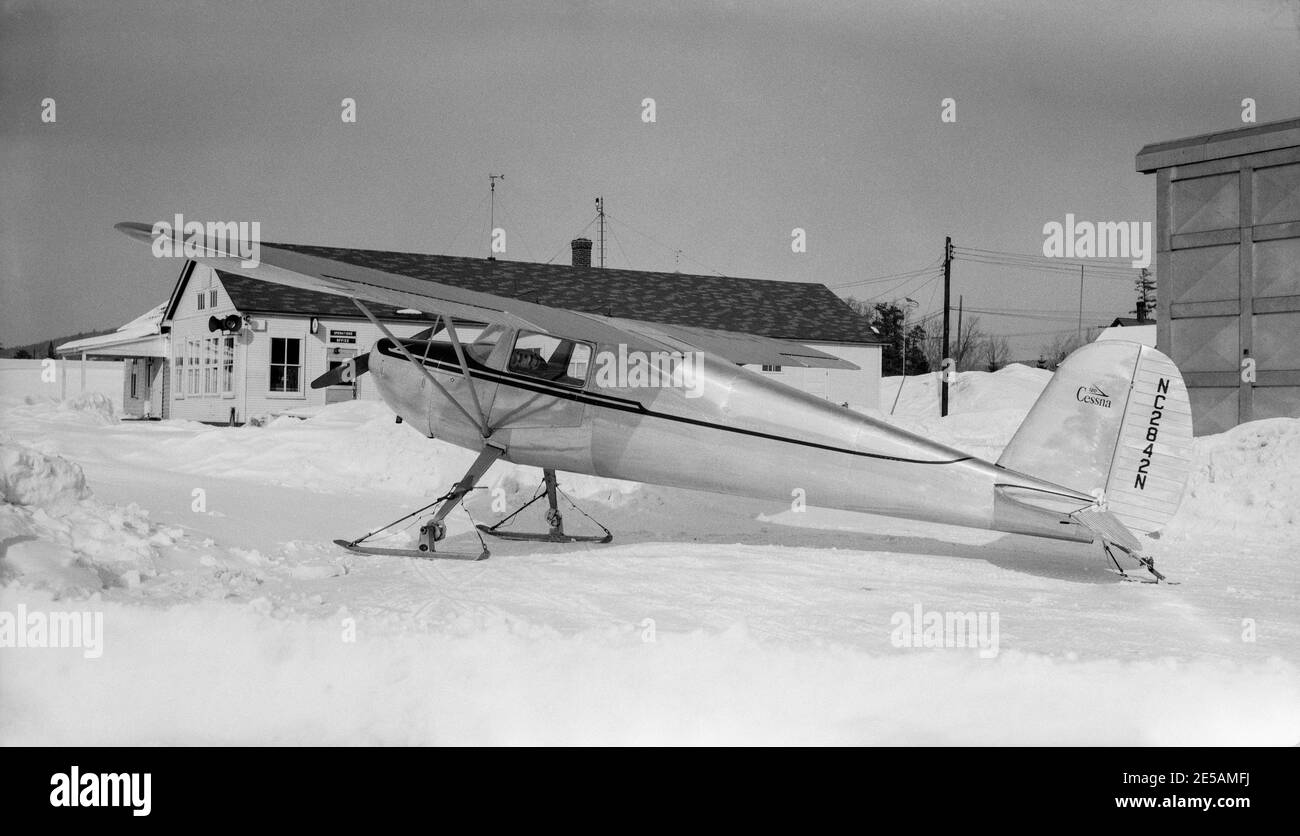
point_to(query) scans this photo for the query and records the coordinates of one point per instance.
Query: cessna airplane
(1103, 455)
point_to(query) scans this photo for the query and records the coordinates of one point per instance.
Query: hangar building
(1228, 265)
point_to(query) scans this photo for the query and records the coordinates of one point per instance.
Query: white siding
(859, 389)
(252, 393)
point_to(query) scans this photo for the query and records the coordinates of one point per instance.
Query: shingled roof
(798, 311)
(256, 296)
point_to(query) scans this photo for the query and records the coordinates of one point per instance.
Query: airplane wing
(326, 275)
(736, 347)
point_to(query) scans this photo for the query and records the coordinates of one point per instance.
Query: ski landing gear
(1115, 536)
(1147, 562)
(434, 529)
(554, 519)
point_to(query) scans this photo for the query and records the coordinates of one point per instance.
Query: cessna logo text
(1092, 395)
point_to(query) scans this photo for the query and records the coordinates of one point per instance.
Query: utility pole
(1145, 286)
(960, 303)
(600, 214)
(492, 210)
(947, 302)
(909, 305)
(1080, 333)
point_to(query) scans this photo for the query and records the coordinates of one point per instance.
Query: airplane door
(544, 380)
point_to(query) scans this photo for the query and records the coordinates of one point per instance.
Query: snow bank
(55, 535)
(31, 478)
(91, 408)
(1246, 480)
(95, 407)
(984, 408)
(1016, 387)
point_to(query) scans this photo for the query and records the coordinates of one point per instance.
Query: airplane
(1102, 456)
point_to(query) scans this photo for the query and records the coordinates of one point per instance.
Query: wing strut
(464, 370)
(481, 421)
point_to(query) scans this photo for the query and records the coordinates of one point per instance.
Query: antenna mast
(600, 214)
(492, 209)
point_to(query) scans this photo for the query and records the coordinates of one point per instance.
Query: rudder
(1115, 422)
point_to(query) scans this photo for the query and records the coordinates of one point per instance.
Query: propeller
(343, 374)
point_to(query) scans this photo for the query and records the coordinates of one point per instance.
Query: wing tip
(137, 230)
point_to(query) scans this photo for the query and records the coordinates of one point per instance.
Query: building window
(286, 364)
(771, 368)
(133, 379)
(178, 376)
(203, 297)
(192, 366)
(227, 365)
(212, 298)
(211, 356)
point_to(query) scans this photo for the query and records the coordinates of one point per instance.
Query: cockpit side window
(483, 344)
(551, 358)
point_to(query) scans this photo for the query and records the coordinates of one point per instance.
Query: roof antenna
(600, 214)
(492, 210)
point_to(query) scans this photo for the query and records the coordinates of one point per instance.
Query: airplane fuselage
(730, 431)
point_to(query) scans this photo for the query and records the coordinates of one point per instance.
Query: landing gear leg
(553, 516)
(434, 528)
(554, 519)
(1148, 563)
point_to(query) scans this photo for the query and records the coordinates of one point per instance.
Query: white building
(142, 345)
(1133, 330)
(284, 339)
(225, 348)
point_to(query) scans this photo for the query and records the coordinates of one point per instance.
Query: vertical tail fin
(1113, 422)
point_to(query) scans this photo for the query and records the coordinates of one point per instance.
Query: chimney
(1142, 311)
(581, 252)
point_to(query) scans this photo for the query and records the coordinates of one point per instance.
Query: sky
(769, 116)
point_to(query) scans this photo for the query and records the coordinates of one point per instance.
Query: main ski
(548, 537)
(425, 555)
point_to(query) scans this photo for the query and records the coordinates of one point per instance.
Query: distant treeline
(44, 347)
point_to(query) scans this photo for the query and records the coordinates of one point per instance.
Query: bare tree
(1060, 347)
(996, 351)
(965, 349)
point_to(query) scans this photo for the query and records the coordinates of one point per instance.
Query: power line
(1109, 264)
(905, 282)
(1033, 268)
(654, 240)
(626, 261)
(469, 222)
(1096, 268)
(1115, 261)
(1039, 317)
(510, 220)
(874, 279)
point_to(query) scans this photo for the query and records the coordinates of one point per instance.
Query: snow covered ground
(229, 617)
